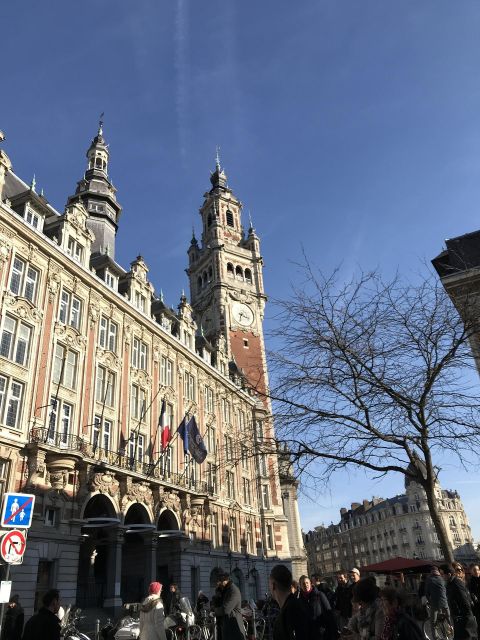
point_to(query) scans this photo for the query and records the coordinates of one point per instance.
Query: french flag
(164, 426)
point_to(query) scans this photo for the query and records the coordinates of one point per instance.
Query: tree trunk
(438, 523)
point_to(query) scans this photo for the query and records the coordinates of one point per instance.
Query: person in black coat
(233, 627)
(474, 588)
(13, 622)
(321, 621)
(460, 605)
(172, 600)
(45, 625)
(291, 622)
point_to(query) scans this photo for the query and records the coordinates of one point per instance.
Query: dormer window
(110, 280)
(33, 219)
(75, 249)
(140, 301)
(229, 216)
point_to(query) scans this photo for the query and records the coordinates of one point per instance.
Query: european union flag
(183, 432)
(196, 446)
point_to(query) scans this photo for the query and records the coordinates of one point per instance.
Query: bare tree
(376, 375)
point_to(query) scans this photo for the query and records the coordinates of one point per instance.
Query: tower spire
(218, 177)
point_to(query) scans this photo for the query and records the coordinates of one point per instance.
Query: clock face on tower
(242, 314)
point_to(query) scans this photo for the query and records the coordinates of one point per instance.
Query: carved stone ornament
(22, 307)
(107, 358)
(53, 284)
(69, 335)
(170, 500)
(104, 482)
(58, 479)
(35, 466)
(140, 377)
(137, 492)
(4, 251)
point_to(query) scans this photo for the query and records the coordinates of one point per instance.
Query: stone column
(113, 599)
(151, 545)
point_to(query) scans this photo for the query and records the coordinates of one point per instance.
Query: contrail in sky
(181, 69)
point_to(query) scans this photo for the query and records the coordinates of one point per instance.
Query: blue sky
(348, 127)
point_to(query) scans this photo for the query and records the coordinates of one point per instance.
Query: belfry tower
(226, 281)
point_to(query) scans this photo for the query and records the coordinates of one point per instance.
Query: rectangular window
(15, 340)
(102, 433)
(262, 464)
(208, 400)
(105, 386)
(107, 334)
(212, 477)
(265, 496)
(140, 301)
(214, 530)
(246, 491)
(233, 534)
(11, 393)
(110, 280)
(166, 372)
(166, 463)
(249, 534)
(136, 448)
(226, 411)
(4, 468)
(230, 484)
(244, 455)
(32, 218)
(212, 440)
(75, 249)
(189, 387)
(259, 431)
(229, 452)
(70, 309)
(64, 367)
(23, 280)
(139, 354)
(137, 403)
(60, 421)
(241, 421)
(269, 537)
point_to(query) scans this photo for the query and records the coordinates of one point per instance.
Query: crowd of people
(357, 609)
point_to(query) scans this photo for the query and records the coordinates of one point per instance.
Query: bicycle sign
(13, 546)
(17, 510)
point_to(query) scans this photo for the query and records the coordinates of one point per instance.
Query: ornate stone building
(379, 529)
(88, 353)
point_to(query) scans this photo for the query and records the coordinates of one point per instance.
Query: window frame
(15, 340)
(24, 279)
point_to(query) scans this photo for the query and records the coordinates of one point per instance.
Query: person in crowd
(325, 589)
(45, 623)
(343, 601)
(172, 600)
(13, 621)
(459, 603)
(459, 571)
(321, 619)
(474, 588)
(152, 615)
(421, 586)
(216, 607)
(291, 623)
(294, 588)
(368, 621)
(436, 594)
(398, 625)
(233, 627)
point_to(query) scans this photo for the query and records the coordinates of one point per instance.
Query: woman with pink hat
(152, 616)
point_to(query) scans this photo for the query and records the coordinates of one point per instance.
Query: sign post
(17, 514)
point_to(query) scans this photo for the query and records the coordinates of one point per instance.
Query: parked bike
(69, 625)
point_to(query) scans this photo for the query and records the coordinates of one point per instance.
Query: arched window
(229, 215)
(204, 278)
(98, 162)
(230, 270)
(209, 220)
(210, 274)
(239, 273)
(199, 282)
(248, 275)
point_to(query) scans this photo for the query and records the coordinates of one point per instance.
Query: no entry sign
(13, 546)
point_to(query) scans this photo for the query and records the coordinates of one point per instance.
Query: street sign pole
(4, 604)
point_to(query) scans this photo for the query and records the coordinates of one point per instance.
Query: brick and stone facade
(88, 353)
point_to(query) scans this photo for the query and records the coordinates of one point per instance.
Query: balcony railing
(119, 459)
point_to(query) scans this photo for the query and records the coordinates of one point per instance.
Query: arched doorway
(253, 585)
(135, 577)
(94, 552)
(169, 549)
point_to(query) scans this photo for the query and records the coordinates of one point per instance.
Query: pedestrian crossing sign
(17, 510)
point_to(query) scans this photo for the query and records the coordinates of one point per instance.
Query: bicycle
(443, 628)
